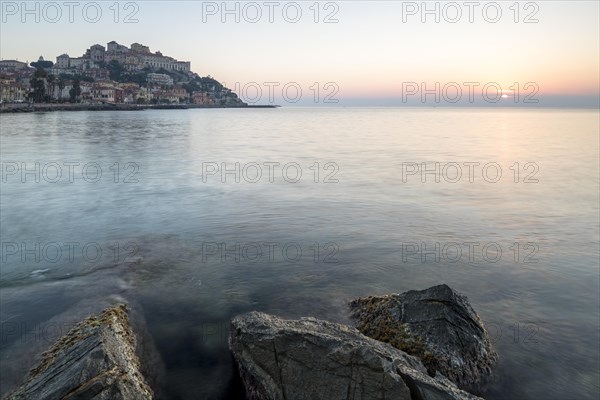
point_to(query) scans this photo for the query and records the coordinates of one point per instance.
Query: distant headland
(115, 77)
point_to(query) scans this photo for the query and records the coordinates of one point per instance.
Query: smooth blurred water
(159, 224)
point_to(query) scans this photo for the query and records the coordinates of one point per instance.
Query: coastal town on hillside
(115, 74)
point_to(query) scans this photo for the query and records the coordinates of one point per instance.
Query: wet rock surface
(95, 360)
(438, 325)
(315, 359)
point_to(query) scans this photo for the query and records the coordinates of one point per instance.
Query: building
(143, 95)
(12, 65)
(96, 55)
(12, 91)
(140, 48)
(176, 94)
(158, 61)
(160, 79)
(99, 93)
(119, 95)
(129, 92)
(179, 91)
(64, 94)
(133, 59)
(165, 96)
(98, 74)
(140, 56)
(114, 47)
(182, 66)
(63, 61)
(78, 63)
(202, 98)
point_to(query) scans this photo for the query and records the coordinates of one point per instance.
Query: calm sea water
(141, 210)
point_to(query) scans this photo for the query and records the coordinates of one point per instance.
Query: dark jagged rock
(313, 359)
(95, 360)
(25, 352)
(438, 325)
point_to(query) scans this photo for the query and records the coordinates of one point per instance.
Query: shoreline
(50, 107)
(381, 345)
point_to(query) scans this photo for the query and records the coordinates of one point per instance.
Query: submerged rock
(95, 360)
(438, 325)
(312, 359)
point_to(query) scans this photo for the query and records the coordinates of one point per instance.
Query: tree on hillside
(42, 64)
(115, 70)
(51, 85)
(75, 91)
(192, 87)
(209, 83)
(61, 85)
(81, 78)
(38, 86)
(140, 78)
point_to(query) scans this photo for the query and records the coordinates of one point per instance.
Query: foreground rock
(313, 359)
(438, 325)
(95, 360)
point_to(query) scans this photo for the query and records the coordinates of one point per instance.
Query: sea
(194, 216)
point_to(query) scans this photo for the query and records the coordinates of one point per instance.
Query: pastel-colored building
(12, 91)
(12, 65)
(202, 98)
(160, 79)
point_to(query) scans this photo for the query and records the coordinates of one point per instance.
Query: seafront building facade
(12, 91)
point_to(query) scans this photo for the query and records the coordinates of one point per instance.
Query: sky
(342, 52)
